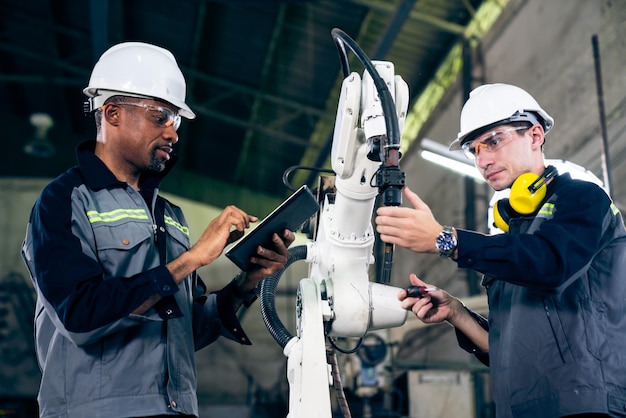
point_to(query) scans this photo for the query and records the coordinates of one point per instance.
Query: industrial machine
(338, 299)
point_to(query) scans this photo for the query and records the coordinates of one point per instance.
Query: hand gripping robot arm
(338, 299)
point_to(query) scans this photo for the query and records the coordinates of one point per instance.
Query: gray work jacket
(96, 249)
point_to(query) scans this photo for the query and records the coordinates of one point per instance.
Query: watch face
(446, 243)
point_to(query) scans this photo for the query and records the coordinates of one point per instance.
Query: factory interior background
(264, 78)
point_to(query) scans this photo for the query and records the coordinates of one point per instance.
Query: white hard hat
(491, 105)
(140, 70)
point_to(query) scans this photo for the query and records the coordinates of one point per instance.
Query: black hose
(387, 103)
(267, 294)
(389, 178)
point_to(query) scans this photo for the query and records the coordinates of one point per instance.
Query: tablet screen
(291, 214)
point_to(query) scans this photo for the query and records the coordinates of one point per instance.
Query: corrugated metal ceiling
(263, 77)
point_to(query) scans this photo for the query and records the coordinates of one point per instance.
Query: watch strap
(446, 242)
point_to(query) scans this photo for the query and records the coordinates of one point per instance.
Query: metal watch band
(446, 242)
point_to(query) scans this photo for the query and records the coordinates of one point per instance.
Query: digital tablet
(291, 214)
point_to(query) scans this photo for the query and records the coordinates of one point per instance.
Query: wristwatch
(446, 242)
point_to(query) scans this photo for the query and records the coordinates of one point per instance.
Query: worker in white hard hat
(555, 336)
(120, 307)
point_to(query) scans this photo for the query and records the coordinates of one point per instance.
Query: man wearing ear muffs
(555, 339)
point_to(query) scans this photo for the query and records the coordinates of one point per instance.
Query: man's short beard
(156, 165)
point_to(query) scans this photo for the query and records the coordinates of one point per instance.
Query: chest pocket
(123, 241)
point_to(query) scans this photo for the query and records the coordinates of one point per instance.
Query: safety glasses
(490, 142)
(161, 115)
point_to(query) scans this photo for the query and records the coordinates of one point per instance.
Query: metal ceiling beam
(399, 17)
(196, 45)
(191, 72)
(43, 21)
(447, 73)
(41, 79)
(254, 92)
(254, 126)
(442, 24)
(268, 65)
(44, 59)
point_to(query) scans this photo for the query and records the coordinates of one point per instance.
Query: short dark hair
(113, 99)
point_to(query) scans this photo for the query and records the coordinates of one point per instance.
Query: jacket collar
(557, 182)
(98, 176)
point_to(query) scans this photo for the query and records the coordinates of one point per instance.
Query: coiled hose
(280, 332)
(267, 294)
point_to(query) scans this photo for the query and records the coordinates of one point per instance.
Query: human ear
(537, 134)
(111, 114)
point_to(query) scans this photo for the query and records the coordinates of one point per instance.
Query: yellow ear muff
(521, 199)
(500, 216)
(527, 194)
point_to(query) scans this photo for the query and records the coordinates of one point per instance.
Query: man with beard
(120, 308)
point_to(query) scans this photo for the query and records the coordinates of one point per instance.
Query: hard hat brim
(99, 96)
(529, 116)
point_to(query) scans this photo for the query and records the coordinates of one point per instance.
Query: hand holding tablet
(291, 214)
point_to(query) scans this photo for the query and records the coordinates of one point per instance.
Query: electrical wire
(291, 169)
(387, 103)
(343, 350)
(390, 180)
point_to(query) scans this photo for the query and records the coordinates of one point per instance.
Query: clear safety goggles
(490, 142)
(162, 115)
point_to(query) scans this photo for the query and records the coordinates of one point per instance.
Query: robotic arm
(338, 299)
(343, 250)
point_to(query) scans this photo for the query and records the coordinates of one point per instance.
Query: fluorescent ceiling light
(452, 160)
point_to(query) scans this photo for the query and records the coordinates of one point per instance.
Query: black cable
(267, 294)
(387, 103)
(344, 350)
(291, 169)
(389, 177)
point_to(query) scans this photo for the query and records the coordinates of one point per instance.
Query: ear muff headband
(527, 194)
